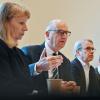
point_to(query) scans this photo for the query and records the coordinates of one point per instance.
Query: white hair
(53, 25)
(79, 44)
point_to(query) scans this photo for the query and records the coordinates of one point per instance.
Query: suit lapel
(82, 76)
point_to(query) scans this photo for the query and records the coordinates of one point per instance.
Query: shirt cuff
(32, 69)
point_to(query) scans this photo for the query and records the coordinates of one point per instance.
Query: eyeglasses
(62, 32)
(90, 49)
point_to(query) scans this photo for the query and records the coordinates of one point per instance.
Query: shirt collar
(83, 63)
(98, 69)
(49, 51)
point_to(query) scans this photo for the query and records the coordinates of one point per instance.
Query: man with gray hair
(56, 35)
(84, 73)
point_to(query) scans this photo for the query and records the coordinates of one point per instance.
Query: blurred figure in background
(98, 70)
(83, 72)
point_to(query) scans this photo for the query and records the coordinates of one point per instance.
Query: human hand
(68, 86)
(50, 62)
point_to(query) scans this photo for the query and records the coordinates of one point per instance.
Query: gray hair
(8, 10)
(53, 25)
(79, 44)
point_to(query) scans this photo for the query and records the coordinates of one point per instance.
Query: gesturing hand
(49, 62)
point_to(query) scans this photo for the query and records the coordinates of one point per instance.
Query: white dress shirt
(98, 69)
(86, 71)
(49, 52)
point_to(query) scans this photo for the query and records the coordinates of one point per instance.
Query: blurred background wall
(82, 17)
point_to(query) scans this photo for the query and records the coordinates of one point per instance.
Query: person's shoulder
(74, 61)
(3, 46)
(3, 50)
(32, 47)
(64, 57)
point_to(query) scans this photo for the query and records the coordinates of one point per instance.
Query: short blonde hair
(8, 10)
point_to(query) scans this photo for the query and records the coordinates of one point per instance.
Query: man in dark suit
(56, 35)
(98, 69)
(83, 72)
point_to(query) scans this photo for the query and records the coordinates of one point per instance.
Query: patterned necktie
(55, 71)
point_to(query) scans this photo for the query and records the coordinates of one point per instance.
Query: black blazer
(33, 54)
(14, 77)
(79, 77)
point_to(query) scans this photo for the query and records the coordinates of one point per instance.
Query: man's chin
(91, 59)
(61, 44)
(61, 47)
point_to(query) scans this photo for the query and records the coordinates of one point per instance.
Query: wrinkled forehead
(87, 44)
(62, 26)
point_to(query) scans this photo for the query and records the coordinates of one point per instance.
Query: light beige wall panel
(82, 16)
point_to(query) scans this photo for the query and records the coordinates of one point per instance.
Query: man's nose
(25, 28)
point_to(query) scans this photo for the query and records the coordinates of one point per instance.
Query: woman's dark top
(14, 76)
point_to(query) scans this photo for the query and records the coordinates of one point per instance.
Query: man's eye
(21, 23)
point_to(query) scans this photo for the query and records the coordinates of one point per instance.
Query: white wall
(82, 16)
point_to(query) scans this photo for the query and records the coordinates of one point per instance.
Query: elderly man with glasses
(56, 35)
(83, 72)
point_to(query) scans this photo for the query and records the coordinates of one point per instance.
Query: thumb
(43, 54)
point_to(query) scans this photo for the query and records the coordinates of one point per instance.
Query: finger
(72, 82)
(55, 61)
(53, 57)
(54, 64)
(63, 82)
(43, 54)
(69, 87)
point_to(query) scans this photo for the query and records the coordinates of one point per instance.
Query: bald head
(56, 24)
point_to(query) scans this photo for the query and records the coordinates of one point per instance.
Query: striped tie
(55, 71)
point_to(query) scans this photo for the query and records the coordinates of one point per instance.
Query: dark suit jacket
(14, 77)
(33, 53)
(98, 74)
(79, 77)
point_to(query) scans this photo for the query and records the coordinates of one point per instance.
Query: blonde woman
(14, 78)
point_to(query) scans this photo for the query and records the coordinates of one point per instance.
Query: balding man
(56, 35)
